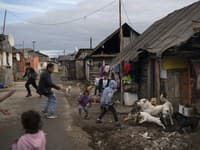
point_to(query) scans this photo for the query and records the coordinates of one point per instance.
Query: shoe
(44, 112)
(98, 121)
(28, 95)
(86, 117)
(117, 124)
(52, 117)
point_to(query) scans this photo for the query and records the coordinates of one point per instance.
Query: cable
(66, 22)
(126, 13)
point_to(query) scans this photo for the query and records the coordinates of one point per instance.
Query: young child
(84, 100)
(107, 103)
(34, 138)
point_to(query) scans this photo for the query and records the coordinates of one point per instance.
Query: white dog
(142, 117)
(166, 109)
(146, 106)
(68, 89)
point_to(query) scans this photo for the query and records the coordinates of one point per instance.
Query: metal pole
(4, 22)
(90, 42)
(121, 47)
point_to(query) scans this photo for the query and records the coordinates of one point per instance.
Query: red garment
(127, 68)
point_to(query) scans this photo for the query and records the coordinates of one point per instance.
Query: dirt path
(61, 133)
(129, 136)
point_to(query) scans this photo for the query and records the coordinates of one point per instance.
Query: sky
(56, 25)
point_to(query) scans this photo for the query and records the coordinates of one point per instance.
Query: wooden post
(189, 85)
(157, 75)
(90, 42)
(149, 67)
(121, 47)
(4, 22)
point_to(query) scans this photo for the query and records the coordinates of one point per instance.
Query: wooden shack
(106, 51)
(6, 72)
(69, 65)
(168, 57)
(81, 63)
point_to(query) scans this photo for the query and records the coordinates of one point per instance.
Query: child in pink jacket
(34, 138)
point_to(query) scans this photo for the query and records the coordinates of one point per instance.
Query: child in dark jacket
(84, 101)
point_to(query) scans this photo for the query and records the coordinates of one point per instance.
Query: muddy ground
(129, 136)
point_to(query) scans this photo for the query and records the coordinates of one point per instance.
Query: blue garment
(51, 104)
(106, 98)
(116, 68)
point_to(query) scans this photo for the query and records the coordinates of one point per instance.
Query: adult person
(31, 78)
(103, 82)
(45, 88)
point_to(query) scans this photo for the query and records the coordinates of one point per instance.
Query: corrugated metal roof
(165, 33)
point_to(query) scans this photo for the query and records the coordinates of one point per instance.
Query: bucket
(181, 109)
(188, 111)
(130, 98)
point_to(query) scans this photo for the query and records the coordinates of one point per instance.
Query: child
(107, 103)
(34, 137)
(84, 100)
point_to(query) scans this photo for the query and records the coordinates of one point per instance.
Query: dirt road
(61, 134)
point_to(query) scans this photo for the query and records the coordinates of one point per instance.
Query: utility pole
(65, 69)
(23, 47)
(90, 42)
(4, 22)
(33, 48)
(121, 47)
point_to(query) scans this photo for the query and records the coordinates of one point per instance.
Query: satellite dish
(11, 40)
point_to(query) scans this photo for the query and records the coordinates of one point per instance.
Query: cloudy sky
(68, 24)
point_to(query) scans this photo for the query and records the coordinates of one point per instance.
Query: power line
(126, 13)
(66, 22)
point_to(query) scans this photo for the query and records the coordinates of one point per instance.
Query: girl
(34, 138)
(84, 100)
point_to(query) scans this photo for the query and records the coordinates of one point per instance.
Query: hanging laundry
(116, 68)
(107, 69)
(127, 68)
(127, 79)
(102, 70)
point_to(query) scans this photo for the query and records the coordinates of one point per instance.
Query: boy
(31, 78)
(107, 103)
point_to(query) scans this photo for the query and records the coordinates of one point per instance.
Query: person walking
(45, 88)
(107, 103)
(31, 78)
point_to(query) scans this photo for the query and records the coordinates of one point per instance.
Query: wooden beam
(10, 93)
(157, 80)
(189, 86)
(149, 79)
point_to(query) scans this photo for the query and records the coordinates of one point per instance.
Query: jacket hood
(36, 141)
(113, 84)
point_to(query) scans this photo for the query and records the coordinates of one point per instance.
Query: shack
(106, 51)
(6, 73)
(167, 55)
(81, 63)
